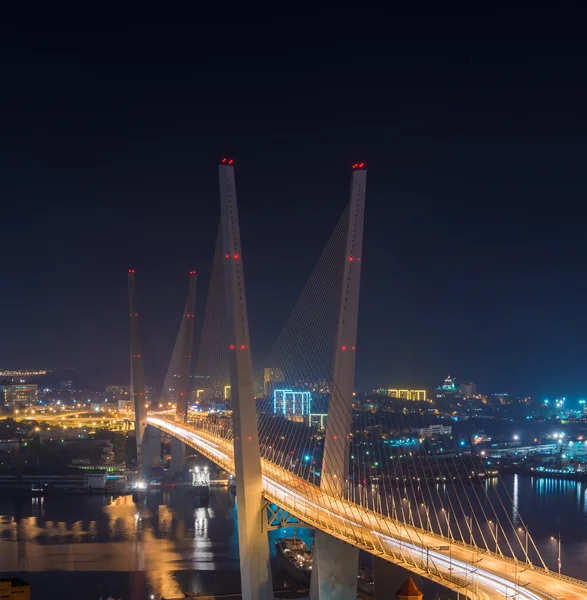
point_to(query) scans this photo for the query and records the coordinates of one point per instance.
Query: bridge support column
(255, 566)
(150, 451)
(334, 569)
(335, 563)
(177, 457)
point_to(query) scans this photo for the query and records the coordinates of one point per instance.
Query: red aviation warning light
(192, 272)
(131, 271)
(227, 161)
(359, 165)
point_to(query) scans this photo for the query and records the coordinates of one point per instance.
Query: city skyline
(473, 250)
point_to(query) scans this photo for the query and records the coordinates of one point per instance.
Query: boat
(201, 483)
(294, 557)
(200, 490)
(160, 485)
(365, 581)
(139, 491)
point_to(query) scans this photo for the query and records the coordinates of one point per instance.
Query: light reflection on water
(169, 546)
(166, 546)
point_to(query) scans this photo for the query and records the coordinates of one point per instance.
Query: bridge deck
(478, 574)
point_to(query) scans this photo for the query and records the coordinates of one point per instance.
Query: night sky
(473, 133)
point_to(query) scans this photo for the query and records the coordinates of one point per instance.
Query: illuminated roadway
(478, 574)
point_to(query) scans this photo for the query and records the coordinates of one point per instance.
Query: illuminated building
(18, 373)
(407, 394)
(18, 395)
(290, 402)
(318, 420)
(433, 430)
(272, 377)
(448, 389)
(468, 389)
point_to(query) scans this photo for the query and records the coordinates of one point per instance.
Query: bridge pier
(177, 456)
(150, 451)
(334, 569)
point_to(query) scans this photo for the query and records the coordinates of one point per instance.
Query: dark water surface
(76, 547)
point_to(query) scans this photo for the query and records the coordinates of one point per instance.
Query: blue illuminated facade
(290, 402)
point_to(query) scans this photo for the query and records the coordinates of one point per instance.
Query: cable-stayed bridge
(344, 480)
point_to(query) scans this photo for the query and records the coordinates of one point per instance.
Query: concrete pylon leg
(150, 450)
(177, 456)
(335, 568)
(255, 564)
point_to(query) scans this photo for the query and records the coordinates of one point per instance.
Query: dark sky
(472, 124)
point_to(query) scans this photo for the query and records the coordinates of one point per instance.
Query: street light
(526, 534)
(495, 535)
(427, 517)
(558, 541)
(447, 514)
(470, 524)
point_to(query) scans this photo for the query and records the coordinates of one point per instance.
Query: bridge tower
(137, 378)
(185, 340)
(255, 566)
(334, 573)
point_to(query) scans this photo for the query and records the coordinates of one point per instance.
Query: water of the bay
(78, 547)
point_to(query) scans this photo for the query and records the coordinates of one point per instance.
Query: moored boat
(294, 557)
(365, 581)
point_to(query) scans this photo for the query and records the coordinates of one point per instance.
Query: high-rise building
(18, 395)
(272, 378)
(467, 389)
(290, 402)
